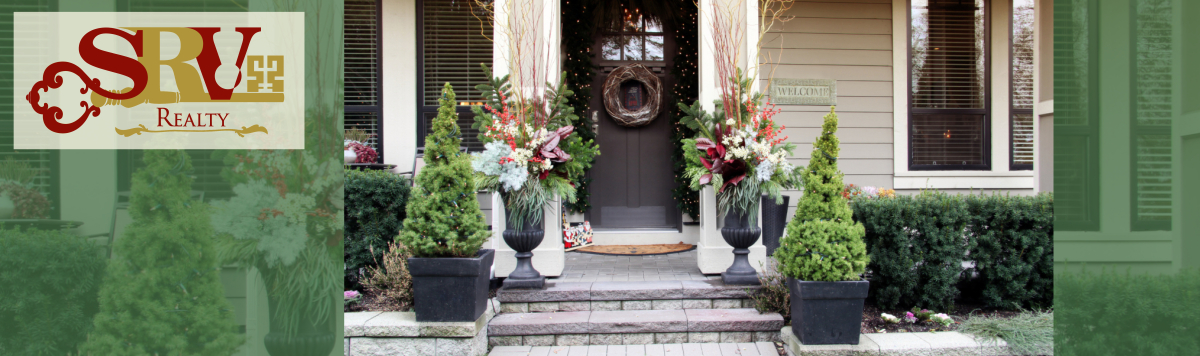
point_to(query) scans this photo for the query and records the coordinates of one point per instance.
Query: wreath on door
(632, 95)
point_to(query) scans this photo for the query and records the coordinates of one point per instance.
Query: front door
(632, 177)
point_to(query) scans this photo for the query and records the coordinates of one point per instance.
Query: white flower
(522, 156)
(942, 318)
(765, 170)
(891, 319)
(546, 165)
(729, 121)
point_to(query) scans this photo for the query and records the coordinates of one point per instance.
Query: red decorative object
(27, 203)
(364, 154)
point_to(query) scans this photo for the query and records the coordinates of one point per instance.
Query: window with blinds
(45, 162)
(1152, 109)
(454, 41)
(1021, 112)
(948, 100)
(1076, 130)
(206, 164)
(361, 77)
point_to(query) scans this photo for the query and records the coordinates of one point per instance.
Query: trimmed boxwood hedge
(917, 245)
(49, 290)
(374, 216)
(1112, 313)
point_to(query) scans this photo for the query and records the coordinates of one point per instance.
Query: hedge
(49, 290)
(374, 215)
(1114, 313)
(917, 245)
(1012, 244)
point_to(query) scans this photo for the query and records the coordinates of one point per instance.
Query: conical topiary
(822, 243)
(443, 214)
(162, 294)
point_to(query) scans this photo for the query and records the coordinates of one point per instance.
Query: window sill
(964, 180)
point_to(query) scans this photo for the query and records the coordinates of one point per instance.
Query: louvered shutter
(1076, 130)
(1021, 129)
(362, 73)
(207, 164)
(454, 41)
(1151, 127)
(948, 106)
(45, 161)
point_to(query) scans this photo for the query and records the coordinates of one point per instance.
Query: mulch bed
(874, 323)
(372, 302)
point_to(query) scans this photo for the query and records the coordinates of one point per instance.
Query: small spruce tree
(443, 214)
(162, 294)
(822, 242)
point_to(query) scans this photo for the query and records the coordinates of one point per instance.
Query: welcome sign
(158, 80)
(784, 91)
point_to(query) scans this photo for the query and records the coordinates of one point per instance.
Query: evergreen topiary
(823, 243)
(443, 217)
(162, 294)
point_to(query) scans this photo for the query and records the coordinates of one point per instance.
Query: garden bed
(874, 323)
(371, 301)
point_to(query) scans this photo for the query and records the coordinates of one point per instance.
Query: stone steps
(634, 327)
(610, 296)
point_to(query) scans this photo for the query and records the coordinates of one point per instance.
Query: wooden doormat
(636, 249)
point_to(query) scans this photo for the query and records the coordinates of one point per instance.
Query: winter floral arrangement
(941, 318)
(364, 153)
(530, 151)
(738, 149)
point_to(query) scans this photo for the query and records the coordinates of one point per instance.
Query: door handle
(596, 123)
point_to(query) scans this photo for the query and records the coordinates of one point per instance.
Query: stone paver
(638, 321)
(539, 323)
(637, 290)
(700, 320)
(692, 349)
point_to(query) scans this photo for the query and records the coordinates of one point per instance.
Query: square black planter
(825, 313)
(451, 289)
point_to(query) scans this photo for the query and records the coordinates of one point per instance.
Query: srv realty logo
(203, 85)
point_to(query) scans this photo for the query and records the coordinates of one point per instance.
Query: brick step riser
(634, 338)
(610, 305)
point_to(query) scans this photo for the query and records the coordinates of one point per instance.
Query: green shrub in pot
(375, 203)
(823, 254)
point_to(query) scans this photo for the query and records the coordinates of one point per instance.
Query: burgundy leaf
(704, 143)
(704, 179)
(562, 156)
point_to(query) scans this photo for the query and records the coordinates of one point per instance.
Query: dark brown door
(632, 178)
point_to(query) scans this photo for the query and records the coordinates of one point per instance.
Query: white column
(499, 40)
(708, 89)
(549, 258)
(751, 62)
(399, 94)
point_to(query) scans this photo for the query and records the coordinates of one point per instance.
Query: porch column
(549, 258)
(713, 254)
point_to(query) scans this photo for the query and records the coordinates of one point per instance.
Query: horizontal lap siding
(851, 42)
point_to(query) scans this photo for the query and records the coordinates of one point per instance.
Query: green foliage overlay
(443, 217)
(49, 282)
(822, 242)
(1123, 314)
(162, 294)
(374, 215)
(917, 245)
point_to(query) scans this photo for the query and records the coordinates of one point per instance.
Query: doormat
(626, 250)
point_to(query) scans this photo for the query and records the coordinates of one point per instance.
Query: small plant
(389, 279)
(357, 135)
(1028, 333)
(941, 318)
(351, 297)
(909, 317)
(922, 314)
(363, 153)
(891, 319)
(774, 296)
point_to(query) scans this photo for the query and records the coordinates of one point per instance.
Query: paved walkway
(587, 267)
(713, 349)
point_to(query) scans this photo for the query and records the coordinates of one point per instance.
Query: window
(1150, 129)
(44, 162)
(206, 164)
(1076, 111)
(639, 39)
(361, 71)
(453, 45)
(1021, 112)
(948, 97)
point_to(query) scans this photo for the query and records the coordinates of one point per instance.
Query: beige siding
(851, 42)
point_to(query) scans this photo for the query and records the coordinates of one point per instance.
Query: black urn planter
(774, 218)
(523, 239)
(451, 289)
(311, 339)
(738, 233)
(825, 313)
